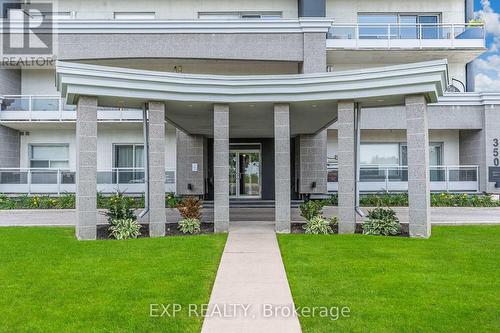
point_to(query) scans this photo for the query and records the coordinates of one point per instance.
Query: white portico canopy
(313, 98)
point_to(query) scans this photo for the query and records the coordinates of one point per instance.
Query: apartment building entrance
(245, 172)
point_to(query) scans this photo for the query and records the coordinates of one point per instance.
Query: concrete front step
(251, 203)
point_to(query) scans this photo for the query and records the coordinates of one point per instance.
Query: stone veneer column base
(417, 134)
(86, 168)
(346, 167)
(221, 168)
(282, 167)
(156, 145)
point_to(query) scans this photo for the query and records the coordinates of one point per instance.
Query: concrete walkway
(251, 287)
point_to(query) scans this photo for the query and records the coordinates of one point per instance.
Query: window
(54, 156)
(379, 154)
(129, 156)
(406, 26)
(239, 15)
(135, 15)
(435, 154)
(128, 163)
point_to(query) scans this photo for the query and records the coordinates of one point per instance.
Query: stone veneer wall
(190, 150)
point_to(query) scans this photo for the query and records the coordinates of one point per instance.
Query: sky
(487, 67)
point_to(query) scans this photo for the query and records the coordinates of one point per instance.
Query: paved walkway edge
(251, 291)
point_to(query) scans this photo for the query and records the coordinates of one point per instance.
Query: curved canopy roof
(388, 85)
(312, 97)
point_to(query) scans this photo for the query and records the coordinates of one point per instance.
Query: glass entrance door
(244, 174)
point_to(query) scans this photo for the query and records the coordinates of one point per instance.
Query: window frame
(134, 148)
(31, 159)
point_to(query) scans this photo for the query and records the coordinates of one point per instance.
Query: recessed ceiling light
(314, 105)
(252, 105)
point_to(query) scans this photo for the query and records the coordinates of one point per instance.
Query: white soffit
(374, 86)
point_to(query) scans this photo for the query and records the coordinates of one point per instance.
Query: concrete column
(347, 170)
(156, 145)
(311, 150)
(190, 164)
(10, 147)
(86, 168)
(417, 135)
(221, 167)
(491, 131)
(314, 53)
(472, 152)
(312, 157)
(282, 167)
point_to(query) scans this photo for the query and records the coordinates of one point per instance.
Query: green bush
(384, 199)
(462, 200)
(382, 221)
(171, 200)
(125, 229)
(311, 209)
(190, 226)
(120, 207)
(333, 200)
(6, 202)
(319, 226)
(66, 201)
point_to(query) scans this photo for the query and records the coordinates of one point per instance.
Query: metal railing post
(118, 179)
(58, 181)
(420, 35)
(389, 36)
(452, 35)
(447, 178)
(478, 181)
(357, 35)
(386, 171)
(30, 106)
(29, 181)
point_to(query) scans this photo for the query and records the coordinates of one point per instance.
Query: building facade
(261, 100)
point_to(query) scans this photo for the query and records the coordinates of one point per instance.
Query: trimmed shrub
(382, 221)
(311, 209)
(120, 207)
(189, 226)
(125, 229)
(190, 208)
(319, 226)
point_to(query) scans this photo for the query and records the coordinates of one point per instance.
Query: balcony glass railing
(375, 178)
(32, 107)
(56, 181)
(406, 32)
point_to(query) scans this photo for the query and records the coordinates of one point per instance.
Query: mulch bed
(171, 229)
(103, 232)
(297, 229)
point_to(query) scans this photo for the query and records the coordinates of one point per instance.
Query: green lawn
(49, 282)
(449, 283)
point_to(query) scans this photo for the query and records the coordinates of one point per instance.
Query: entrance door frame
(233, 149)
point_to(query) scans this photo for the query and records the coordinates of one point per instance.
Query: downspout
(145, 131)
(357, 143)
